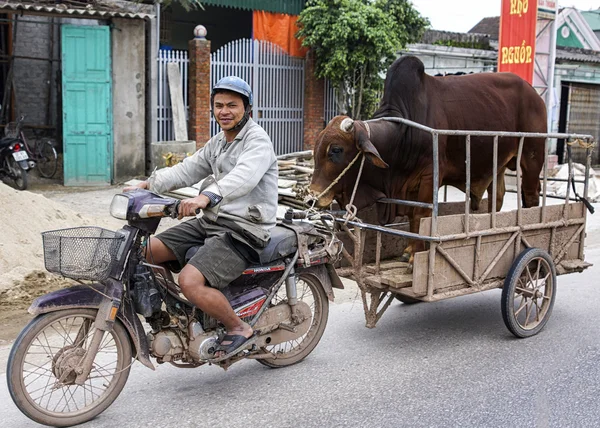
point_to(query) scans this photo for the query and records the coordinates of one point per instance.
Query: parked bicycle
(43, 152)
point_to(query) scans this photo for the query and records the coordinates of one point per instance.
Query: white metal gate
(330, 101)
(165, 112)
(277, 80)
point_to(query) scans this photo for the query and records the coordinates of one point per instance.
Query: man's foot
(234, 342)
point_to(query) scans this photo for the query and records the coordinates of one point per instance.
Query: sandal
(238, 344)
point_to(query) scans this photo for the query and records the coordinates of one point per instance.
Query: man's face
(228, 109)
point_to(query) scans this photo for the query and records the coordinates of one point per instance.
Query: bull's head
(337, 145)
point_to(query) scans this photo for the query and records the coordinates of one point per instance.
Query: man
(239, 200)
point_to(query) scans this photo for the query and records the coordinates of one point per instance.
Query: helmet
(234, 84)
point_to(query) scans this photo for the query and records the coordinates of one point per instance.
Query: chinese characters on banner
(516, 50)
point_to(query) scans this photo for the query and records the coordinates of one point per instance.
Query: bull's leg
(475, 201)
(406, 254)
(500, 191)
(530, 190)
(532, 163)
(424, 195)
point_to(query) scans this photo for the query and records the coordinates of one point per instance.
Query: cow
(400, 157)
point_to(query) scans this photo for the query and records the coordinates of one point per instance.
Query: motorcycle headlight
(118, 207)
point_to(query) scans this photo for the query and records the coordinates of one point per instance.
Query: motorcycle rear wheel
(311, 291)
(17, 174)
(48, 349)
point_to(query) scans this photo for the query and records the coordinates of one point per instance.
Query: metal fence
(330, 100)
(164, 120)
(277, 80)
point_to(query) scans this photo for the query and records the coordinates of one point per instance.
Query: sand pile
(23, 216)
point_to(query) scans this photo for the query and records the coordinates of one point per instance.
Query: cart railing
(588, 143)
(479, 280)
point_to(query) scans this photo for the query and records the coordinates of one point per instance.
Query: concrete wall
(151, 88)
(129, 115)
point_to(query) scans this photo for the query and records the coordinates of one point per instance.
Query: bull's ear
(364, 145)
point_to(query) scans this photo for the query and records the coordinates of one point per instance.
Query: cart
(521, 251)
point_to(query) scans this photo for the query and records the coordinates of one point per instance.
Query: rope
(336, 181)
(582, 144)
(350, 208)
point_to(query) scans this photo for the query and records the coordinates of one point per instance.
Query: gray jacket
(243, 172)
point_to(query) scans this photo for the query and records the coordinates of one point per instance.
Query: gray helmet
(239, 86)
(234, 84)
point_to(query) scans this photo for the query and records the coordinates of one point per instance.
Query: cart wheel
(529, 292)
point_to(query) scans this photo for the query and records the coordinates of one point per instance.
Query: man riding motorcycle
(239, 202)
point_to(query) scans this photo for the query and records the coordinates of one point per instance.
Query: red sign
(516, 50)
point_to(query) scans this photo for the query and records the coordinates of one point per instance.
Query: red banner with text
(516, 50)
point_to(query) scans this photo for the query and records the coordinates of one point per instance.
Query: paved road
(444, 364)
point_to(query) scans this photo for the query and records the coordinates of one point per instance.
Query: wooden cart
(521, 251)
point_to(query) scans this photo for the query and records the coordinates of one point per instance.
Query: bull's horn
(347, 125)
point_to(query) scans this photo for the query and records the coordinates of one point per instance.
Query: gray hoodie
(243, 172)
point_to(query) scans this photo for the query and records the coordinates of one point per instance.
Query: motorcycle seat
(7, 141)
(283, 242)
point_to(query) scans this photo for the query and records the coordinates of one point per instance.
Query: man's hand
(142, 185)
(188, 207)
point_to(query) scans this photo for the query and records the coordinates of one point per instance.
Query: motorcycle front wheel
(17, 174)
(41, 368)
(309, 290)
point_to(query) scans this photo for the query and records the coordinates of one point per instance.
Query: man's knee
(191, 278)
(157, 252)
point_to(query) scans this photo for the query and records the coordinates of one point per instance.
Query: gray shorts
(219, 258)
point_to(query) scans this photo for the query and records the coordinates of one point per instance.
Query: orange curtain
(278, 28)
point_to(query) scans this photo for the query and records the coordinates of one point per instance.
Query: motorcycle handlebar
(173, 210)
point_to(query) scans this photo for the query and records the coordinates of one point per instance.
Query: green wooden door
(87, 105)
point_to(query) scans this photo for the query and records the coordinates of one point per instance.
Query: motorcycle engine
(202, 347)
(166, 345)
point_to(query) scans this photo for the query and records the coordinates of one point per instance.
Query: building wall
(151, 87)
(446, 59)
(129, 114)
(565, 36)
(36, 81)
(575, 72)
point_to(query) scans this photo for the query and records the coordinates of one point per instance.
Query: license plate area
(21, 155)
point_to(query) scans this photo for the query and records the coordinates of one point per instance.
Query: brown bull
(400, 157)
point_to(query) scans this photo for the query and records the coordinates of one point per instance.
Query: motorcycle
(14, 161)
(73, 359)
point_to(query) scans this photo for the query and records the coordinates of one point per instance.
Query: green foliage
(355, 41)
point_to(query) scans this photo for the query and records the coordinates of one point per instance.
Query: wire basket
(81, 252)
